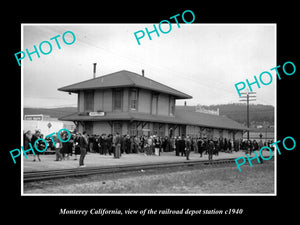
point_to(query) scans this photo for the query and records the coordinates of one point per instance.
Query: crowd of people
(78, 144)
(154, 145)
(116, 145)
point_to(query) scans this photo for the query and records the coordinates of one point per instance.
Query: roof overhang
(123, 79)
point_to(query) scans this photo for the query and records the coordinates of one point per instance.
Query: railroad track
(85, 171)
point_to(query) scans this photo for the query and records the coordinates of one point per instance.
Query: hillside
(53, 112)
(238, 112)
(259, 114)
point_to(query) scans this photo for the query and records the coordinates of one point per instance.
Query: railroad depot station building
(130, 103)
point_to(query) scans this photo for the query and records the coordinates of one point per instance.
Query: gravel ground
(258, 179)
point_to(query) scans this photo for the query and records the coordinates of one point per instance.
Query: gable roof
(123, 78)
(182, 116)
(207, 120)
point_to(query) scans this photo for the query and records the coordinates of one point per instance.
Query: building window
(117, 99)
(220, 133)
(158, 129)
(88, 101)
(172, 106)
(161, 131)
(155, 128)
(117, 127)
(230, 134)
(210, 133)
(154, 104)
(146, 129)
(133, 129)
(133, 99)
(190, 130)
(88, 127)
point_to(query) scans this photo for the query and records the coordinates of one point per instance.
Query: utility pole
(247, 97)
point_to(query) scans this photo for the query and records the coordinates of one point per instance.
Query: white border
(22, 112)
(193, 24)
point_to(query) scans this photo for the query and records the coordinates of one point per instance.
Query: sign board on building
(96, 113)
(201, 109)
(33, 117)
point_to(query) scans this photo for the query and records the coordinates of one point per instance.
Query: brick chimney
(94, 71)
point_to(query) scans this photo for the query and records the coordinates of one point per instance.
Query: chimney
(94, 72)
(143, 73)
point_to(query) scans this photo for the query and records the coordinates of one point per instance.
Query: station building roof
(124, 78)
(181, 117)
(207, 120)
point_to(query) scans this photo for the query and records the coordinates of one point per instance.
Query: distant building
(45, 124)
(133, 104)
(264, 133)
(200, 108)
(36, 117)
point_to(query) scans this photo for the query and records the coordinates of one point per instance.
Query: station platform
(95, 159)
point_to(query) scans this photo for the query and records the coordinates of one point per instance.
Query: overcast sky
(202, 60)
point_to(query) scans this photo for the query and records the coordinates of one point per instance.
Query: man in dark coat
(109, 144)
(104, 144)
(117, 144)
(164, 144)
(101, 144)
(76, 146)
(177, 146)
(123, 144)
(26, 139)
(210, 149)
(200, 146)
(225, 145)
(181, 143)
(221, 144)
(127, 144)
(188, 145)
(83, 144)
(217, 147)
(33, 139)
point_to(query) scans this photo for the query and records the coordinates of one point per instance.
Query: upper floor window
(154, 104)
(88, 101)
(133, 99)
(117, 99)
(172, 106)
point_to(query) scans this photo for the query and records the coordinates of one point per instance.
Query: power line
(249, 97)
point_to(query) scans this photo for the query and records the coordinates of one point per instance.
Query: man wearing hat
(187, 147)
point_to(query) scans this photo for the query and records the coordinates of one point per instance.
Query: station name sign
(96, 113)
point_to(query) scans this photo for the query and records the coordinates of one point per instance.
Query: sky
(201, 60)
